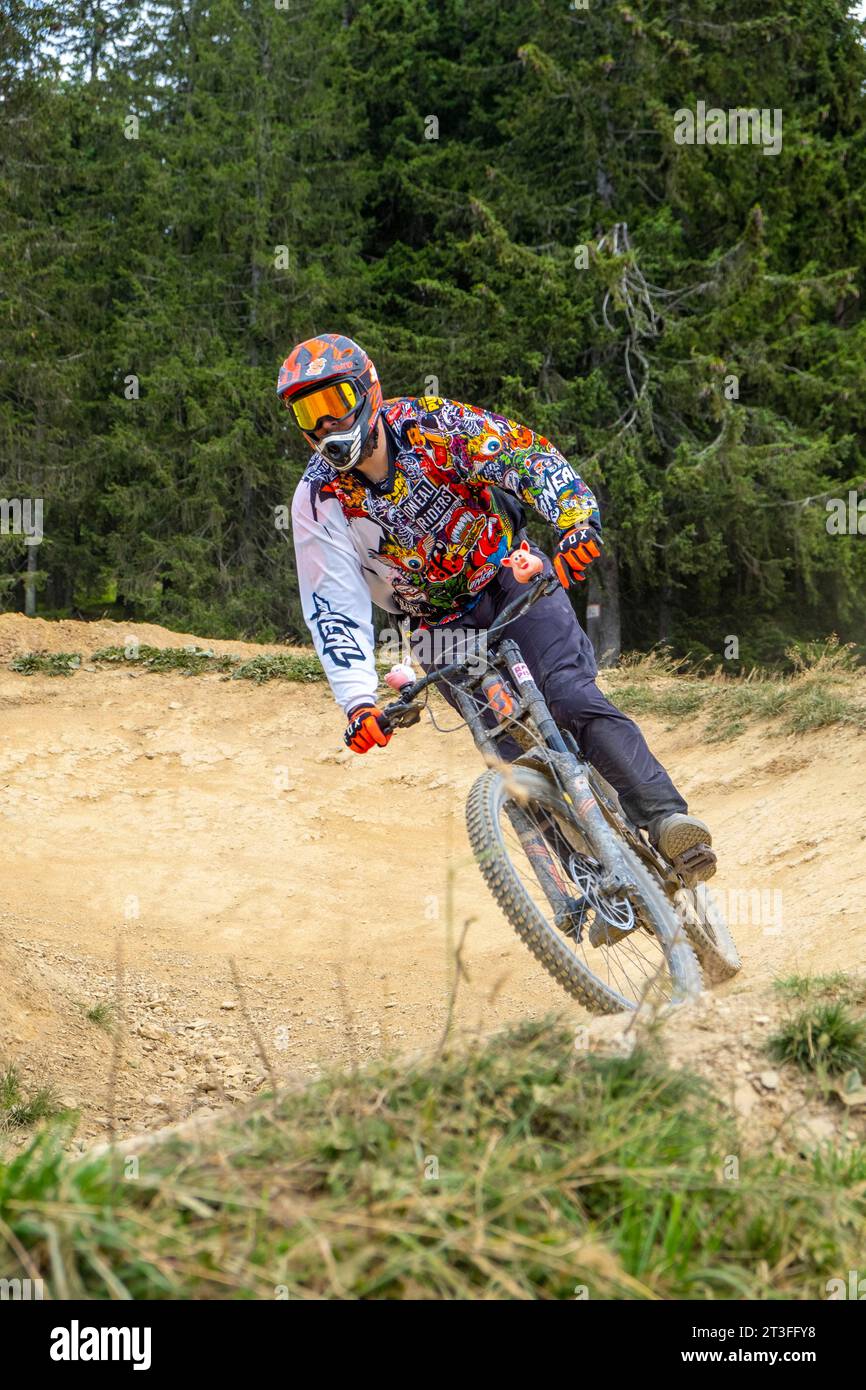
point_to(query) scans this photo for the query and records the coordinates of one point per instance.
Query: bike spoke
(632, 967)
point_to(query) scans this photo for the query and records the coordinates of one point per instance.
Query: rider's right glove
(362, 731)
(576, 550)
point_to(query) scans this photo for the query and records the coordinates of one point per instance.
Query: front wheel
(611, 949)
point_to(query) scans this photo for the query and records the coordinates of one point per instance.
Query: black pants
(560, 656)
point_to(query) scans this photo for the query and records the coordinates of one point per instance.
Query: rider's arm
(336, 602)
(513, 457)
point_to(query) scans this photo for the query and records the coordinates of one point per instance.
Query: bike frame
(551, 754)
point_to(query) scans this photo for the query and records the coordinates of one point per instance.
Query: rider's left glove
(363, 732)
(576, 550)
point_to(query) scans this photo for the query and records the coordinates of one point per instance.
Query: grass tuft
(824, 1038)
(17, 1110)
(191, 661)
(838, 985)
(45, 663)
(826, 687)
(197, 661)
(102, 1015)
(289, 667)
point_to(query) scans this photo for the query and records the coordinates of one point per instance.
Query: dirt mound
(19, 634)
(204, 858)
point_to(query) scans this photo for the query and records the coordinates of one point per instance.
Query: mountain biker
(414, 503)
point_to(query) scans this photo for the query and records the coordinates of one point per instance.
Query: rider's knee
(574, 704)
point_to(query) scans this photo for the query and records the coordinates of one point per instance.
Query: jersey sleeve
(511, 456)
(337, 605)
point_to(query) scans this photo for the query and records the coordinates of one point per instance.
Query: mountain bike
(582, 886)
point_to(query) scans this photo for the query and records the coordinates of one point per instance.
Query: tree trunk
(258, 240)
(30, 581)
(96, 36)
(665, 610)
(602, 608)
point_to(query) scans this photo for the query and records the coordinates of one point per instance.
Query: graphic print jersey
(430, 537)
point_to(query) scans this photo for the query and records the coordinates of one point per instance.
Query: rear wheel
(612, 950)
(698, 908)
(707, 930)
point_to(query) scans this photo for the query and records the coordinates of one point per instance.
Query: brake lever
(399, 715)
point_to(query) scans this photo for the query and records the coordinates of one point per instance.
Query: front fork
(569, 773)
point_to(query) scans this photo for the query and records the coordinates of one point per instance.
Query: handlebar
(404, 712)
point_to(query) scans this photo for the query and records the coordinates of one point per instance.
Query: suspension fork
(550, 877)
(557, 889)
(571, 774)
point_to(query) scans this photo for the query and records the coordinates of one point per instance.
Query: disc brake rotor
(614, 912)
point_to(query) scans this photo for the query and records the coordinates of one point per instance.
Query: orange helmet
(331, 377)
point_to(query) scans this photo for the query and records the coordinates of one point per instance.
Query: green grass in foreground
(521, 1169)
(825, 1036)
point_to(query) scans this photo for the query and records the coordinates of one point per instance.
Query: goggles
(336, 399)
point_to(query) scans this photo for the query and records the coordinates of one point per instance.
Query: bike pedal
(696, 865)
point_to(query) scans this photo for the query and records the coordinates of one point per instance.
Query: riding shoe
(686, 843)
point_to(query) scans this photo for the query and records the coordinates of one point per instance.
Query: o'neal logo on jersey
(481, 577)
(428, 504)
(335, 630)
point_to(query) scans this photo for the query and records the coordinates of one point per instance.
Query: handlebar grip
(400, 715)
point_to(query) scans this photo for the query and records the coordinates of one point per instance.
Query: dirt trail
(176, 824)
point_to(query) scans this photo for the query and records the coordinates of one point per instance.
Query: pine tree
(491, 199)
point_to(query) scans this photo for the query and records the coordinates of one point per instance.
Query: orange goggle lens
(336, 400)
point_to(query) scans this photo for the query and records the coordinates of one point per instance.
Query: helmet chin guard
(342, 448)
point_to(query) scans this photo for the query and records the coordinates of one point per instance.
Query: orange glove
(363, 732)
(576, 550)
